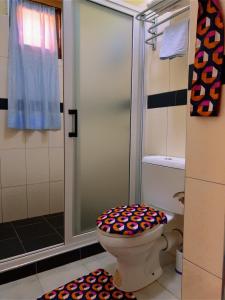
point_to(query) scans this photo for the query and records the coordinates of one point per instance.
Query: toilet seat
(130, 220)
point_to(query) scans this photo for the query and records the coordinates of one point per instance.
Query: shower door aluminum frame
(136, 113)
(138, 98)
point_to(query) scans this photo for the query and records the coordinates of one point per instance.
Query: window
(39, 28)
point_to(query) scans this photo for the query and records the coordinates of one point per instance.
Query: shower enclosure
(103, 60)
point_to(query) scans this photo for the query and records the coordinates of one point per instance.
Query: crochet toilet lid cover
(130, 219)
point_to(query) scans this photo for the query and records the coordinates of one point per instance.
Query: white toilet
(137, 255)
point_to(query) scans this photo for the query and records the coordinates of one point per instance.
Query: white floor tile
(104, 261)
(168, 286)
(171, 281)
(56, 277)
(154, 292)
(24, 289)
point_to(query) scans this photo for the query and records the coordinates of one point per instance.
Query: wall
(205, 198)
(31, 162)
(3, 7)
(165, 127)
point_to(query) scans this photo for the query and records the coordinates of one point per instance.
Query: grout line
(191, 262)
(53, 228)
(29, 184)
(19, 238)
(165, 288)
(9, 238)
(26, 168)
(203, 180)
(49, 178)
(60, 234)
(26, 225)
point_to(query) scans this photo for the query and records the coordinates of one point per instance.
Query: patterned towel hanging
(209, 57)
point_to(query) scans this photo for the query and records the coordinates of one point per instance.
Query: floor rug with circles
(97, 285)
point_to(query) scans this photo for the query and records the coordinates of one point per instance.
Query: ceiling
(136, 4)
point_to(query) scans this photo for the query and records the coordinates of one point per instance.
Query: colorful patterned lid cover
(130, 220)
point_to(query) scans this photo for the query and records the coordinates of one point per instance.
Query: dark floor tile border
(91, 250)
(167, 99)
(50, 263)
(58, 260)
(18, 273)
(4, 104)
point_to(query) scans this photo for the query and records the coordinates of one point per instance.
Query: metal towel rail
(152, 13)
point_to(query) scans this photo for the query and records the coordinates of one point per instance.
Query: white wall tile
(155, 131)
(61, 79)
(176, 132)
(197, 284)
(204, 225)
(3, 7)
(38, 199)
(179, 73)
(206, 146)
(56, 197)
(37, 139)
(3, 77)
(37, 165)
(13, 167)
(158, 79)
(0, 204)
(14, 203)
(10, 138)
(4, 35)
(56, 156)
(192, 30)
(56, 137)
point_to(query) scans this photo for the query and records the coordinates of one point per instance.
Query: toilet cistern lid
(130, 220)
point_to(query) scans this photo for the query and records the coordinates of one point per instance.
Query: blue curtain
(33, 83)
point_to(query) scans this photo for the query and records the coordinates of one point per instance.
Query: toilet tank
(162, 177)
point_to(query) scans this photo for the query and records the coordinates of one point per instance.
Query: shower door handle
(74, 133)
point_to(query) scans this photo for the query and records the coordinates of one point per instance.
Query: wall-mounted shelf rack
(152, 13)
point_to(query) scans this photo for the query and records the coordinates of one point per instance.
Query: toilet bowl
(137, 256)
(137, 251)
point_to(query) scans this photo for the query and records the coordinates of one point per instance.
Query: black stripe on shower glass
(4, 104)
(50, 263)
(167, 99)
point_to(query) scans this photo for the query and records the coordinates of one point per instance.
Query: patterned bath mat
(97, 285)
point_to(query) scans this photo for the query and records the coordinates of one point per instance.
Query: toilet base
(135, 273)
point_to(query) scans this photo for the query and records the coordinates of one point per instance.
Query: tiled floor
(168, 287)
(30, 234)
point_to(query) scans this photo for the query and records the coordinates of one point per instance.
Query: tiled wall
(205, 198)
(31, 162)
(165, 127)
(3, 7)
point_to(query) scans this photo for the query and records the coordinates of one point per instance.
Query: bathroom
(125, 136)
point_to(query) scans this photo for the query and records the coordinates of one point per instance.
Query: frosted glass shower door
(103, 103)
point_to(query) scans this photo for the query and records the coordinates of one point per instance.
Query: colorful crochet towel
(209, 56)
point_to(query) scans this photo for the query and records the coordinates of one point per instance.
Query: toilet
(136, 234)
